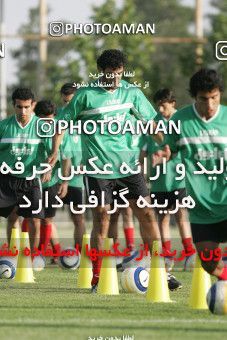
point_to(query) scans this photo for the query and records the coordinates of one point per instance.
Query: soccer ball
(38, 263)
(131, 262)
(189, 263)
(70, 261)
(7, 269)
(135, 280)
(217, 298)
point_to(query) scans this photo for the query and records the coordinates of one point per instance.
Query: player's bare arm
(63, 188)
(157, 157)
(57, 139)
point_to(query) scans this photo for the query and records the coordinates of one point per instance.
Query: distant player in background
(75, 185)
(52, 188)
(202, 144)
(166, 186)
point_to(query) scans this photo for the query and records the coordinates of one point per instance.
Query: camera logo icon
(46, 127)
(221, 50)
(56, 29)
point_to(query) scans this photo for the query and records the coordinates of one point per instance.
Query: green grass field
(53, 308)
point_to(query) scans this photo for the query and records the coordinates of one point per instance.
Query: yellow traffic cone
(15, 240)
(201, 283)
(85, 270)
(24, 272)
(158, 290)
(108, 280)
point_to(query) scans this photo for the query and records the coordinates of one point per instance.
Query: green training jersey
(54, 174)
(67, 150)
(72, 147)
(165, 182)
(23, 142)
(203, 141)
(138, 142)
(97, 104)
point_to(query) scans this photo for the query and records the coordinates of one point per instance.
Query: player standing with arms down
(46, 109)
(18, 138)
(112, 99)
(203, 147)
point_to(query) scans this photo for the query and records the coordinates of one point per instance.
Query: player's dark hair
(111, 59)
(22, 94)
(205, 80)
(45, 108)
(68, 88)
(164, 95)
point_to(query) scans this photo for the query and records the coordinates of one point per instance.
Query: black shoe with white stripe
(173, 283)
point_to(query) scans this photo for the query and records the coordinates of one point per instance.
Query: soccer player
(165, 186)
(202, 144)
(111, 99)
(19, 142)
(128, 226)
(75, 185)
(52, 188)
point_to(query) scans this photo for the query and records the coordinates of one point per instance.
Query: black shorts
(52, 191)
(216, 232)
(75, 195)
(12, 190)
(171, 196)
(136, 185)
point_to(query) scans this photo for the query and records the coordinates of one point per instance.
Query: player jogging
(110, 98)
